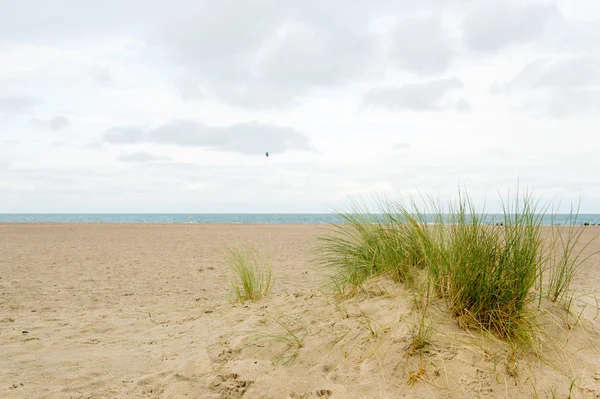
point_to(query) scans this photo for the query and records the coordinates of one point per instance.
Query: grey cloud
(463, 105)
(221, 37)
(244, 138)
(124, 134)
(142, 157)
(417, 97)
(39, 21)
(185, 133)
(17, 104)
(564, 86)
(311, 56)
(92, 146)
(269, 53)
(190, 88)
(59, 122)
(564, 74)
(401, 146)
(44, 22)
(499, 23)
(304, 59)
(102, 75)
(422, 46)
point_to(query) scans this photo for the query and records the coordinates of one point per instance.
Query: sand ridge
(141, 310)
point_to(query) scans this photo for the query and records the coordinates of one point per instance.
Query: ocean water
(234, 218)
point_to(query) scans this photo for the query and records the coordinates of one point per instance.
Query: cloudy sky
(156, 106)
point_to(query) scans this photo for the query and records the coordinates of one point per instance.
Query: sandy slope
(141, 311)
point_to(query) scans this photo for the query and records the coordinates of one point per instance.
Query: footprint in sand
(229, 386)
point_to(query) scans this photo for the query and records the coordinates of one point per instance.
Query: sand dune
(141, 311)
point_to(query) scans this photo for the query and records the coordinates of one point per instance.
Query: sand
(142, 311)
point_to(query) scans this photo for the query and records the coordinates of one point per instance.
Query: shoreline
(206, 224)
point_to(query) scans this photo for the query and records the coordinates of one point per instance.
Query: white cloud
(424, 96)
(401, 146)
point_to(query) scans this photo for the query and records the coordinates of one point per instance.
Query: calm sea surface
(236, 218)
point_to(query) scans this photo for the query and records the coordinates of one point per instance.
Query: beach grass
(422, 328)
(367, 245)
(489, 270)
(564, 261)
(485, 271)
(293, 338)
(421, 333)
(360, 248)
(252, 276)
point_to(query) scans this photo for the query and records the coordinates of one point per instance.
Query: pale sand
(141, 311)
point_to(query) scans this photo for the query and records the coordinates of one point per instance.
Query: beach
(143, 311)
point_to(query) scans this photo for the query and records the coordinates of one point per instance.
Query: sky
(153, 106)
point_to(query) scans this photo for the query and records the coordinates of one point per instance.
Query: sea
(243, 218)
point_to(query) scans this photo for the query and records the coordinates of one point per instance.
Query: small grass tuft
(417, 375)
(421, 334)
(422, 330)
(564, 262)
(293, 338)
(252, 277)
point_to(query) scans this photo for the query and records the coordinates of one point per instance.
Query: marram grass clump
(485, 271)
(489, 270)
(252, 277)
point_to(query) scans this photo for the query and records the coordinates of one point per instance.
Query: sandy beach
(142, 311)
